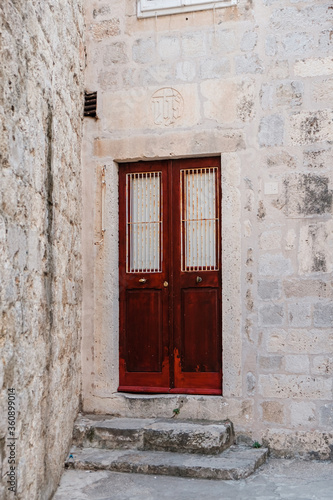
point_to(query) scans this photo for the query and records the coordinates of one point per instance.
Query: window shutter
(150, 8)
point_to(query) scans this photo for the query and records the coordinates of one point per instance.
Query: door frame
(100, 322)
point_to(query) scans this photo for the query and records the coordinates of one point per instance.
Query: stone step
(153, 434)
(235, 463)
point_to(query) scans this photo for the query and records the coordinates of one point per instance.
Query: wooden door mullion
(171, 273)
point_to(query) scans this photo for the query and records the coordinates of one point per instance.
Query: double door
(170, 277)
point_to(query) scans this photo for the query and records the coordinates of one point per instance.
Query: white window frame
(152, 8)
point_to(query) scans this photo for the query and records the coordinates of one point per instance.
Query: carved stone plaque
(167, 106)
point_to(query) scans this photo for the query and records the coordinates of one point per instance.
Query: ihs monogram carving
(167, 106)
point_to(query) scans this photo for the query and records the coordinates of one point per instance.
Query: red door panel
(170, 277)
(199, 313)
(197, 320)
(144, 300)
(144, 330)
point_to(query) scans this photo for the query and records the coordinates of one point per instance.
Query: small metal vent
(90, 104)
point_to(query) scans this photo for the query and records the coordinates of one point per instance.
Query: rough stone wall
(256, 82)
(41, 108)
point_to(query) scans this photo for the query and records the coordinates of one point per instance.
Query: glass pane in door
(143, 222)
(199, 219)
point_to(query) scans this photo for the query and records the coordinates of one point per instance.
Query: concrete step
(153, 434)
(235, 463)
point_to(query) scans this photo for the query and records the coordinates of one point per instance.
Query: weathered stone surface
(326, 415)
(114, 53)
(273, 411)
(290, 94)
(322, 91)
(143, 50)
(220, 100)
(222, 41)
(307, 288)
(168, 48)
(294, 386)
(274, 265)
(314, 67)
(109, 80)
(267, 96)
(269, 289)
(292, 478)
(250, 383)
(312, 444)
(323, 315)
(249, 41)
(299, 314)
(249, 64)
(104, 10)
(270, 363)
(302, 414)
(310, 127)
(153, 434)
(314, 252)
(246, 100)
(271, 131)
(188, 437)
(231, 310)
(210, 68)
(282, 159)
(300, 341)
(270, 45)
(296, 44)
(307, 194)
(135, 110)
(41, 109)
(208, 408)
(317, 158)
(290, 239)
(292, 18)
(235, 463)
(270, 240)
(106, 29)
(193, 45)
(186, 71)
(271, 315)
(101, 432)
(170, 144)
(295, 363)
(322, 365)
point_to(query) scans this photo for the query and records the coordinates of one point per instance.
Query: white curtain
(144, 222)
(199, 220)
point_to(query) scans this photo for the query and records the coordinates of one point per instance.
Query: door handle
(198, 279)
(166, 284)
(142, 280)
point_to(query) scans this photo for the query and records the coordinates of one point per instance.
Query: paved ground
(277, 479)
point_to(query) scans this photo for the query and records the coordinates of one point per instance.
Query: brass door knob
(198, 279)
(165, 284)
(142, 280)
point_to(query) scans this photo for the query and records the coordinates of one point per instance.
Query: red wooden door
(170, 277)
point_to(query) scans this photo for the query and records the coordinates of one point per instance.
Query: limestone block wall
(41, 108)
(255, 84)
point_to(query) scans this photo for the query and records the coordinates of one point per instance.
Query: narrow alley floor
(277, 479)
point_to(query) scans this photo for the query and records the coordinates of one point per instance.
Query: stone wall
(41, 108)
(255, 82)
